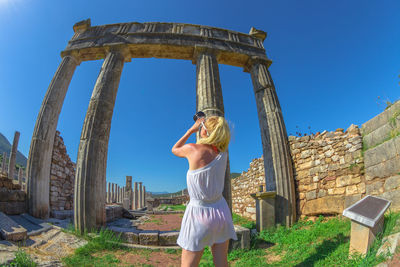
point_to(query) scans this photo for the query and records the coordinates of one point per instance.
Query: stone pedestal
(265, 209)
(362, 236)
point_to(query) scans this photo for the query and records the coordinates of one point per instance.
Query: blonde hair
(219, 133)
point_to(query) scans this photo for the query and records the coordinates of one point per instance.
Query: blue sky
(331, 62)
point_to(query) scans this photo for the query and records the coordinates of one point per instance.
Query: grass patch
(239, 220)
(22, 259)
(104, 241)
(173, 207)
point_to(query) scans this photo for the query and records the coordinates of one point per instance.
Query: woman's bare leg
(220, 254)
(191, 258)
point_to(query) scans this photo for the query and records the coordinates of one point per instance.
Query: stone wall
(381, 138)
(62, 177)
(246, 184)
(332, 170)
(12, 198)
(328, 172)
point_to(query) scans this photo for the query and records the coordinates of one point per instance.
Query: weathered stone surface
(325, 205)
(394, 197)
(168, 239)
(13, 208)
(40, 152)
(10, 230)
(7, 252)
(148, 238)
(350, 200)
(90, 181)
(374, 188)
(243, 235)
(234, 47)
(392, 183)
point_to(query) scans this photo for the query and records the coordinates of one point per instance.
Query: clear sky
(331, 62)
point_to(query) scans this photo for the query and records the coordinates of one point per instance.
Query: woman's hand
(196, 125)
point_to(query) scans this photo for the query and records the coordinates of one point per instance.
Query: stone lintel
(259, 34)
(82, 25)
(73, 54)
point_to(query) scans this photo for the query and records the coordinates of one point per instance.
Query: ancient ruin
(119, 43)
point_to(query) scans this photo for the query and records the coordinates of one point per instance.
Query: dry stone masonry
(333, 170)
(62, 176)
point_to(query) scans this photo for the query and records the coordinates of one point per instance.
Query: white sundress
(207, 218)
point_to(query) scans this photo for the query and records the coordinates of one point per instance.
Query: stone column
(20, 177)
(144, 196)
(135, 197)
(4, 162)
(128, 190)
(140, 196)
(13, 156)
(209, 98)
(277, 159)
(41, 149)
(112, 192)
(92, 153)
(109, 193)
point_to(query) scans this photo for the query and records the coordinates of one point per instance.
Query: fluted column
(90, 179)
(41, 149)
(277, 159)
(144, 196)
(128, 191)
(209, 97)
(135, 205)
(140, 196)
(13, 156)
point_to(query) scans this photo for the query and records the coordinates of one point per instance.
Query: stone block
(392, 183)
(374, 188)
(10, 230)
(324, 205)
(13, 208)
(380, 153)
(350, 200)
(243, 235)
(311, 194)
(168, 238)
(394, 197)
(148, 238)
(351, 189)
(343, 181)
(129, 235)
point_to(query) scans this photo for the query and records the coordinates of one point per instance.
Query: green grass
(324, 242)
(238, 220)
(22, 259)
(104, 241)
(173, 207)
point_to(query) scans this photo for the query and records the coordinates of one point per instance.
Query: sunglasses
(198, 115)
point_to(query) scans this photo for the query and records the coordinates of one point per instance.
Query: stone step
(11, 230)
(33, 225)
(381, 119)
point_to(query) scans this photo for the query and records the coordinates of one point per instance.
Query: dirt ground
(164, 222)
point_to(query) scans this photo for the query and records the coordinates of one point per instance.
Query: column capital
(73, 54)
(121, 49)
(200, 50)
(252, 60)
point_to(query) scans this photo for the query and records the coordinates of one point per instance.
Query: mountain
(159, 193)
(5, 146)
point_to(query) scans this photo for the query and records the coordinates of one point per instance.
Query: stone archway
(119, 43)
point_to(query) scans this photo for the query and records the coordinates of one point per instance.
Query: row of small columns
(92, 155)
(132, 199)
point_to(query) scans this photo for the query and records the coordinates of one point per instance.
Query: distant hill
(5, 146)
(235, 174)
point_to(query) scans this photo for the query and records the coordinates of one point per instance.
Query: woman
(207, 220)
